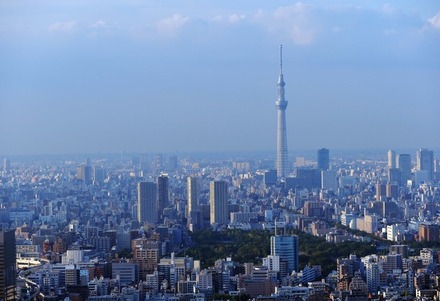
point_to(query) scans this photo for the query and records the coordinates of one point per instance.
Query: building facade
(323, 159)
(7, 265)
(286, 247)
(163, 194)
(218, 199)
(425, 161)
(147, 202)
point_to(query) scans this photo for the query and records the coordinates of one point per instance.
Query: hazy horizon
(360, 154)
(194, 76)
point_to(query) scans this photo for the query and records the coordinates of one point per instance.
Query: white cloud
(287, 11)
(233, 18)
(435, 21)
(236, 18)
(171, 25)
(68, 26)
(99, 24)
(295, 23)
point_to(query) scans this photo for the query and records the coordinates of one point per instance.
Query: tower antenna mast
(281, 59)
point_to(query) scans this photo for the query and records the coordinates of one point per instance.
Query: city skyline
(182, 76)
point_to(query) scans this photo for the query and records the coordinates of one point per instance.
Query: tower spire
(281, 104)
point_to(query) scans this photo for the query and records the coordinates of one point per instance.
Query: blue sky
(104, 76)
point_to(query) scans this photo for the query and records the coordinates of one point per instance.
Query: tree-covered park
(252, 246)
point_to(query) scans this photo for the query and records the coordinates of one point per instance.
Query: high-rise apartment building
(391, 159)
(193, 187)
(286, 247)
(425, 161)
(373, 277)
(404, 165)
(192, 207)
(147, 202)
(323, 159)
(281, 104)
(7, 265)
(163, 194)
(218, 198)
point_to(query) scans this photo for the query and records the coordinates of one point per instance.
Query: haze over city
(82, 77)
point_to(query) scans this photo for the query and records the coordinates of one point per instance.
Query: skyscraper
(147, 202)
(404, 165)
(192, 207)
(281, 104)
(286, 247)
(7, 265)
(425, 161)
(391, 159)
(323, 159)
(163, 197)
(218, 199)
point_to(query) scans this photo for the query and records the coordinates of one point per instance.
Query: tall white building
(192, 213)
(193, 187)
(391, 159)
(272, 262)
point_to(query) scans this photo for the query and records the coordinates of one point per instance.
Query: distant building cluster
(110, 229)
